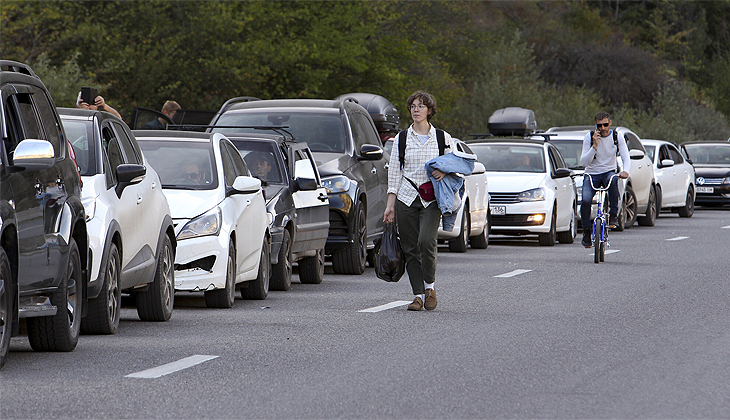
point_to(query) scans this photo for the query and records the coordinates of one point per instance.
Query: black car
(296, 201)
(711, 160)
(43, 239)
(350, 159)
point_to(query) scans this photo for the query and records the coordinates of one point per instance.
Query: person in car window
(259, 164)
(99, 104)
(600, 148)
(418, 220)
(169, 109)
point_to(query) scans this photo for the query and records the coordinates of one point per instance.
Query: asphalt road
(521, 331)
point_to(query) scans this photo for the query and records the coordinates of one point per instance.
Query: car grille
(513, 220)
(503, 198)
(338, 224)
(711, 181)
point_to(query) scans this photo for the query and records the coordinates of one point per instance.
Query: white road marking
(608, 251)
(171, 367)
(390, 305)
(726, 227)
(678, 238)
(513, 273)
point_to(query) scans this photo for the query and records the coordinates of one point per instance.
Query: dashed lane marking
(678, 238)
(390, 305)
(171, 367)
(513, 273)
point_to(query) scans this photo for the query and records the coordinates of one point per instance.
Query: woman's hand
(389, 214)
(438, 175)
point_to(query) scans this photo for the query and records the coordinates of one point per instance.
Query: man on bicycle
(600, 148)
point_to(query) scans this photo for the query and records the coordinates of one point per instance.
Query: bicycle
(599, 236)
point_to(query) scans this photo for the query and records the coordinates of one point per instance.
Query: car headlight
(336, 184)
(89, 207)
(206, 224)
(726, 180)
(537, 194)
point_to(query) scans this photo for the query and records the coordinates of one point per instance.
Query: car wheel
(568, 237)
(351, 259)
(461, 242)
(103, 313)
(60, 332)
(156, 303)
(548, 239)
(6, 306)
(224, 298)
(689, 205)
(481, 241)
(259, 288)
(311, 269)
(651, 210)
(630, 203)
(281, 272)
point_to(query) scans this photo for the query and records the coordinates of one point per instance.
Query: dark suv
(43, 239)
(351, 161)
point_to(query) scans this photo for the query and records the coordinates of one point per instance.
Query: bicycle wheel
(597, 243)
(604, 239)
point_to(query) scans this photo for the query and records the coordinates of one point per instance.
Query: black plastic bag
(390, 263)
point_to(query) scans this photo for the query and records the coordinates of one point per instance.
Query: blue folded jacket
(455, 165)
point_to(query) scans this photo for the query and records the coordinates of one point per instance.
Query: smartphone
(89, 94)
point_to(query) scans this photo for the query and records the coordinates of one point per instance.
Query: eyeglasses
(192, 175)
(419, 107)
(602, 125)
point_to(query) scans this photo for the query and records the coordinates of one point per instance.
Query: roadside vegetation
(661, 68)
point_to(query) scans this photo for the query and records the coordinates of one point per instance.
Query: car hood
(513, 182)
(330, 164)
(188, 204)
(712, 171)
(272, 193)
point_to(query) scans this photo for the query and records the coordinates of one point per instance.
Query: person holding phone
(600, 149)
(99, 102)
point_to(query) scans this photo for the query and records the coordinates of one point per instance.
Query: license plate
(498, 210)
(706, 190)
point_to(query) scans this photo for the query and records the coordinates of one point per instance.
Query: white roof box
(512, 121)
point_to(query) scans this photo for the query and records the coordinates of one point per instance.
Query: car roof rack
(17, 67)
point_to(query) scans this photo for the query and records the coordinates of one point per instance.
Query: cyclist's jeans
(599, 180)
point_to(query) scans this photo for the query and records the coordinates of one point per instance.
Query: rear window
(182, 165)
(323, 132)
(571, 151)
(510, 158)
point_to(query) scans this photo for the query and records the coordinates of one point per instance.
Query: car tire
(351, 259)
(548, 239)
(480, 241)
(225, 297)
(689, 205)
(258, 289)
(60, 332)
(568, 237)
(281, 272)
(651, 210)
(6, 306)
(103, 313)
(461, 242)
(311, 269)
(630, 207)
(156, 303)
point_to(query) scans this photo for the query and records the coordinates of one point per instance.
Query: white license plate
(706, 190)
(498, 210)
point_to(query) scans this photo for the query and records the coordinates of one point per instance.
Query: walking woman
(418, 219)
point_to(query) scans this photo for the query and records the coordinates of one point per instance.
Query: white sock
(429, 286)
(423, 297)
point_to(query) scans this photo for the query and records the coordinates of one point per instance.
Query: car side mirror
(665, 163)
(129, 174)
(306, 184)
(562, 173)
(371, 152)
(34, 155)
(479, 168)
(246, 185)
(636, 154)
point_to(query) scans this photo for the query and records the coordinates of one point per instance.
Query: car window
(708, 154)
(238, 164)
(570, 150)
(81, 136)
(510, 157)
(229, 171)
(181, 164)
(650, 151)
(111, 176)
(131, 149)
(12, 125)
(675, 155)
(48, 119)
(259, 156)
(304, 166)
(633, 142)
(368, 130)
(357, 134)
(113, 149)
(556, 160)
(30, 119)
(322, 131)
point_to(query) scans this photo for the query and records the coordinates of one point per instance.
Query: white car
(638, 191)
(471, 226)
(131, 236)
(675, 177)
(221, 225)
(531, 189)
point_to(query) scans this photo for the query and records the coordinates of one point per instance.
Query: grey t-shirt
(604, 159)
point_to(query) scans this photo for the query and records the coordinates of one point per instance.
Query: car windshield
(81, 136)
(323, 132)
(510, 157)
(571, 151)
(262, 160)
(182, 165)
(650, 151)
(708, 154)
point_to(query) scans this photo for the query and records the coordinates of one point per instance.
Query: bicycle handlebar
(602, 188)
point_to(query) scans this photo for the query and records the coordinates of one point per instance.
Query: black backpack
(440, 138)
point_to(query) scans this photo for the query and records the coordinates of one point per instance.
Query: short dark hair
(602, 115)
(426, 99)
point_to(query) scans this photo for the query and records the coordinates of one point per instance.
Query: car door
(685, 174)
(374, 173)
(642, 172)
(563, 188)
(476, 187)
(670, 181)
(312, 204)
